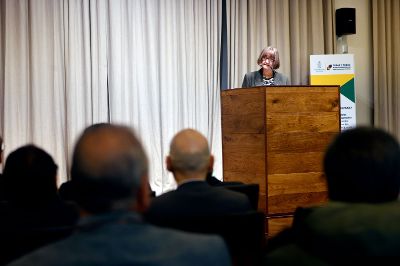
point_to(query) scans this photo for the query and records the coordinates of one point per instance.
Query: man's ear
(143, 196)
(168, 162)
(211, 164)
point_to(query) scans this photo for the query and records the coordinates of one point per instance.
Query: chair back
(250, 190)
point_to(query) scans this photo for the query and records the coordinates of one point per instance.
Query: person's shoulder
(199, 245)
(224, 190)
(206, 249)
(291, 254)
(212, 180)
(142, 241)
(163, 204)
(253, 73)
(174, 235)
(229, 196)
(281, 77)
(164, 198)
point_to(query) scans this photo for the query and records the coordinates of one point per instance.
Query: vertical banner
(337, 69)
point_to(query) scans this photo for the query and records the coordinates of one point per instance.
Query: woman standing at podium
(269, 62)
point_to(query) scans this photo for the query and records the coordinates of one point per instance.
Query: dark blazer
(122, 238)
(213, 181)
(339, 232)
(26, 227)
(197, 198)
(254, 79)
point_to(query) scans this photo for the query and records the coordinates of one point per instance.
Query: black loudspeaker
(345, 21)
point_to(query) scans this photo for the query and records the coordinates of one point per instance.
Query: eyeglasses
(269, 59)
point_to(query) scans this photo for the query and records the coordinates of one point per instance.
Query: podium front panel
(276, 137)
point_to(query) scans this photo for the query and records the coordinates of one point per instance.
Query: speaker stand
(342, 46)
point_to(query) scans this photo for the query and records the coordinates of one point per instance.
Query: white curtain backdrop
(170, 79)
(34, 77)
(386, 51)
(149, 64)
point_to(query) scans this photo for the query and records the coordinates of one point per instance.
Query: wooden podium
(276, 137)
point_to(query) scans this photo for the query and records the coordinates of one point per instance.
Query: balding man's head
(189, 154)
(109, 165)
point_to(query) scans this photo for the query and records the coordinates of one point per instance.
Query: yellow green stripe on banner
(345, 81)
(338, 79)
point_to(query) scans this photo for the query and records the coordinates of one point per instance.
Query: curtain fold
(297, 28)
(386, 58)
(152, 65)
(34, 77)
(84, 44)
(170, 80)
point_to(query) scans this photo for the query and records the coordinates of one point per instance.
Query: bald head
(189, 153)
(108, 166)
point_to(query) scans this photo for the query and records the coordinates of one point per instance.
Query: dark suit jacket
(197, 198)
(26, 227)
(254, 79)
(339, 232)
(122, 238)
(213, 181)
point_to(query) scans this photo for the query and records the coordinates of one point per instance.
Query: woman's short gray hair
(270, 52)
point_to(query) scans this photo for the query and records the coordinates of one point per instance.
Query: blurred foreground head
(109, 170)
(363, 165)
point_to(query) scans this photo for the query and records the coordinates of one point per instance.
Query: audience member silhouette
(363, 165)
(189, 161)
(361, 219)
(196, 206)
(32, 215)
(109, 171)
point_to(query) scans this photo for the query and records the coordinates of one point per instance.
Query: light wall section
(360, 44)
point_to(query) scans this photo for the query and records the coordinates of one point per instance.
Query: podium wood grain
(276, 137)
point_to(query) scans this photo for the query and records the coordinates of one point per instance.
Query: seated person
(109, 172)
(196, 206)
(32, 204)
(362, 167)
(190, 160)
